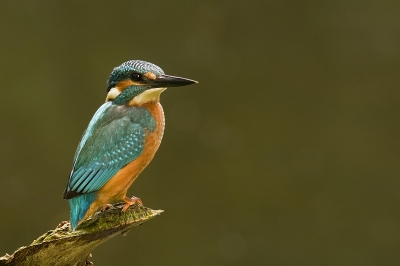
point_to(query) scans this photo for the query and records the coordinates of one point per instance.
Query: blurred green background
(285, 153)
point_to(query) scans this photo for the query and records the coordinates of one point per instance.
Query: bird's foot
(106, 207)
(130, 202)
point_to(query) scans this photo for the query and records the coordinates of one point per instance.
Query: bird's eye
(136, 77)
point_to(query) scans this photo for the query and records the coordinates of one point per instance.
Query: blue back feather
(114, 138)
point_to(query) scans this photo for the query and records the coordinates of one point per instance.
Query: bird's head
(137, 82)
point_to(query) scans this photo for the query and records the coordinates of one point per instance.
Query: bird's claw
(131, 201)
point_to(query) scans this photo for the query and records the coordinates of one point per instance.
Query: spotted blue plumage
(115, 137)
(124, 70)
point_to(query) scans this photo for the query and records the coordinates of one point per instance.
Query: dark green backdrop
(285, 153)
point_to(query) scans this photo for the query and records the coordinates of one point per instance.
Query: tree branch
(63, 247)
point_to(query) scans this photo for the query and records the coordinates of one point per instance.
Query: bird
(120, 140)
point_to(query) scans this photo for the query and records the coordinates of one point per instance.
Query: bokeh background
(285, 153)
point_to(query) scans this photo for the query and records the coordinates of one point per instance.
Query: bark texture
(63, 247)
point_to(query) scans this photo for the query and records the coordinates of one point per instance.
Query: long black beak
(170, 81)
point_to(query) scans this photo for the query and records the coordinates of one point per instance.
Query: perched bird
(121, 139)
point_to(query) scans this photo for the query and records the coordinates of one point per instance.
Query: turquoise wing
(114, 138)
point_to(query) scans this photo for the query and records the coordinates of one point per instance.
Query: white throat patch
(112, 94)
(150, 95)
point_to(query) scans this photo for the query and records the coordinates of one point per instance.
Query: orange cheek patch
(123, 84)
(150, 75)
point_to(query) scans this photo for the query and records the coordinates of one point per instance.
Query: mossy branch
(63, 247)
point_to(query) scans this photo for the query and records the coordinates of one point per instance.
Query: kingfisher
(120, 140)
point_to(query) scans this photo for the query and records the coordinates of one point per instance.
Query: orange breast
(115, 189)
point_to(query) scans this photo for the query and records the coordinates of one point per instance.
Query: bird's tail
(79, 206)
